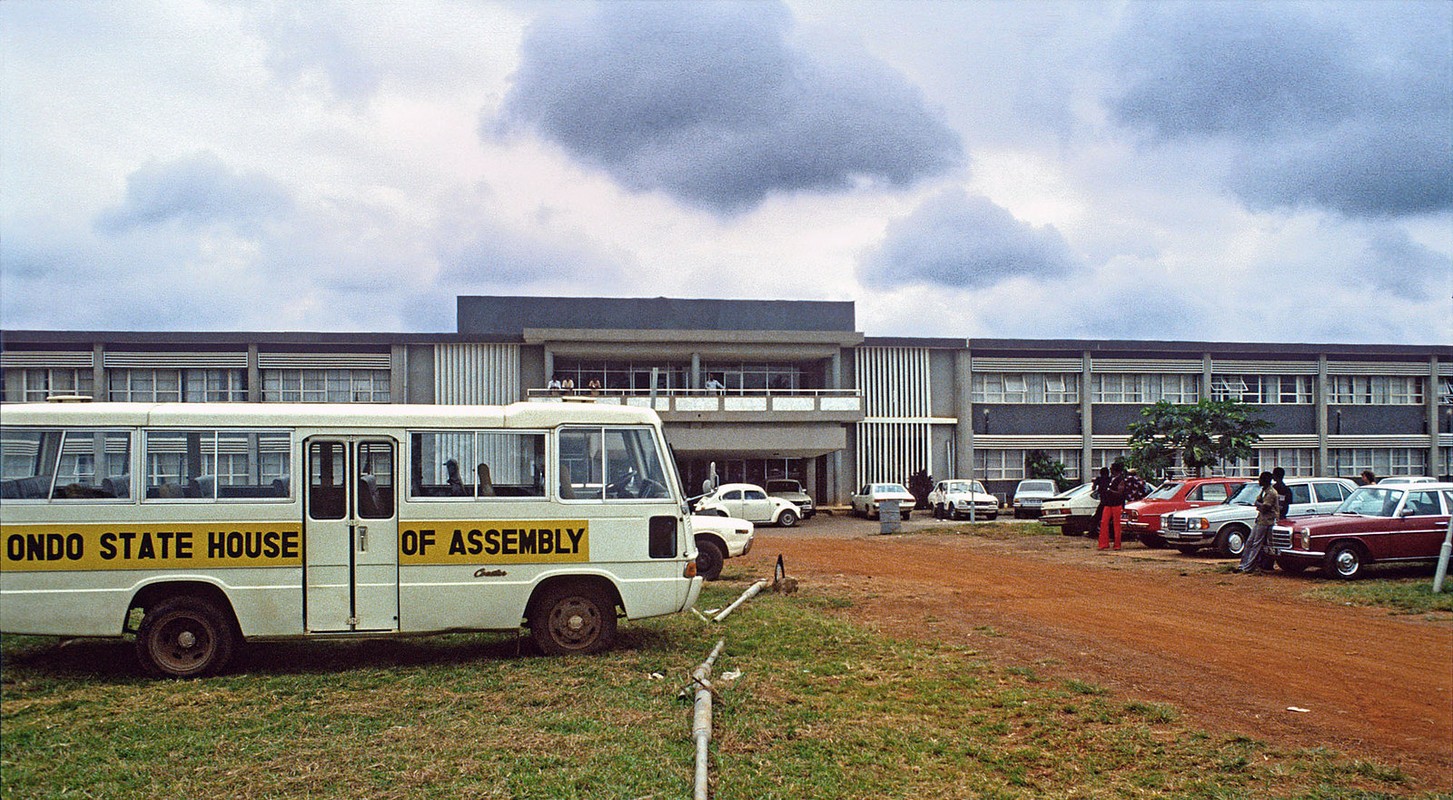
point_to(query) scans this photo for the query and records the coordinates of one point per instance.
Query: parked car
(1226, 527)
(791, 491)
(1030, 495)
(866, 499)
(717, 539)
(1402, 522)
(1072, 511)
(957, 497)
(750, 502)
(1142, 517)
(1397, 479)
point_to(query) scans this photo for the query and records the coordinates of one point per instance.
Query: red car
(1142, 517)
(1402, 522)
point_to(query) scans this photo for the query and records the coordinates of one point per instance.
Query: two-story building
(759, 389)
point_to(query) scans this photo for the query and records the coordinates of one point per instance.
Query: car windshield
(1036, 486)
(783, 486)
(886, 488)
(1246, 496)
(1165, 492)
(1371, 501)
(964, 486)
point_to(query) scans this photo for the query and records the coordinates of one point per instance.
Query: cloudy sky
(1220, 170)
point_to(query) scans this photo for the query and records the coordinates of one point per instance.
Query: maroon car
(1403, 522)
(1142, 517)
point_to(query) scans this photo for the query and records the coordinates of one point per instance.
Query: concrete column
(696, 370)
(835, 376)
(1324, 467)
(1430, 398)
(254, 376)
(1087, 417)
(99, 388)
(549, 365)
(398, 374)
(963, 409)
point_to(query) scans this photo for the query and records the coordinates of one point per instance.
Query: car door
(1302, 500)
(731, 500)
(1420, 526)
(1208, 494)
(755, 506)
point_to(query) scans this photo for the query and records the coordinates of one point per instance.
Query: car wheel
(573, 618)
(1344, 561)
(1231, 541)
(907, 515)
(185, 637)
(709, 559)
(1290, 565)
(787, 519)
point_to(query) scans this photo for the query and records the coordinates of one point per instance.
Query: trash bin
(889, 517)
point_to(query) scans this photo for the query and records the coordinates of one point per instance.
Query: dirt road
(1232, 652)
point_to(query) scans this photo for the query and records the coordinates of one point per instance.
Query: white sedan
(750, 502)
(717, 539)
(869, 495)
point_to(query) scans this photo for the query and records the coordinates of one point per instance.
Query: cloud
(316, 37)
(960, 240)
(1346, 110)
(1394, 262)
(718, 105)
(192, 191)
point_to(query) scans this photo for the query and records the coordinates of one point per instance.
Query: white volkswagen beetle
(750, 502)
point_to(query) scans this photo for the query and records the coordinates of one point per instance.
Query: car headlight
(1200, 524)
(1303, 538)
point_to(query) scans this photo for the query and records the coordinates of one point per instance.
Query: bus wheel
(573, 618)
(184, 637)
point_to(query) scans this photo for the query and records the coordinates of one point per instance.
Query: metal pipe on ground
(701, 720)
(747, 595)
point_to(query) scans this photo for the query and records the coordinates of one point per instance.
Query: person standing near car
(1097, 491)
(1268, 508)
(1112, 497)
(1278, 482)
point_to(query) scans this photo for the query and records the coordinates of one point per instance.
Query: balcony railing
(697, 401)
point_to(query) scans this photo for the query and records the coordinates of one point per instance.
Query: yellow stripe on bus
(186, 545)
(494, 542)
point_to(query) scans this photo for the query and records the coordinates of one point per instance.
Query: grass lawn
(822, 709)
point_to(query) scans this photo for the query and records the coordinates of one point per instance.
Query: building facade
(758, 389)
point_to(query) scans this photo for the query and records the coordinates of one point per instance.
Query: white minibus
(198, 526)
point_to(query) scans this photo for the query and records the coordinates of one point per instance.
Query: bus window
(28, 466)
(175, 469)
(94, 465)
(510, 464)
(375, 480)
(611, 464)
(251, 464)
(326, 472)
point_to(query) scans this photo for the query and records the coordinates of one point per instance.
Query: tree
(1038, 464)
(1205, 434)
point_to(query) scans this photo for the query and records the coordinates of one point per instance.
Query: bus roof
(286, 415)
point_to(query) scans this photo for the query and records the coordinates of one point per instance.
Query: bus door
(351, 532)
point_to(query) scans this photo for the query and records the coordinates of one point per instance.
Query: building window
(177, 385)
(1263, 389)
(622, 376)
(35, 385)
(1026, 387)
(1106, 457)
(325, 386)
(1381, 390)
(750, 377)
(1296, 461)
(1000, 465)
(1381, 460)
(1110, 387)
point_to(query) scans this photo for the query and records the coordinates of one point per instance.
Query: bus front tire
(185, 637)
(573, 618)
